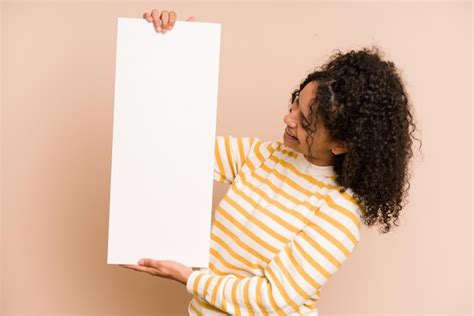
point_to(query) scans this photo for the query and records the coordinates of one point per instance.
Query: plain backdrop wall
(58, 64)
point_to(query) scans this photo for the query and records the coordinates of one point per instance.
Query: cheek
(303, 135)
(314, 142)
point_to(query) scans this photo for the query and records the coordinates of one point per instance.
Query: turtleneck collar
(307, 167)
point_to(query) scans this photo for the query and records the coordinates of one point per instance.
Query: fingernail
(158, 29)
(141, 262)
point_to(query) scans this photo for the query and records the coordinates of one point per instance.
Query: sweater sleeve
(294, 275)
(230, 155)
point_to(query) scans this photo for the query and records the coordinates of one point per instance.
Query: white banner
(165, 107)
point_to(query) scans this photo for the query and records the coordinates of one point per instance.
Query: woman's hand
(162, 268)
(163, 21)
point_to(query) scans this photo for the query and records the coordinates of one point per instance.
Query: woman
(293, 212)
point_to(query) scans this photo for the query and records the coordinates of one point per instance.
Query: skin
(324, 148)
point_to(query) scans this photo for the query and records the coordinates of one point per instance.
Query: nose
(290, 120)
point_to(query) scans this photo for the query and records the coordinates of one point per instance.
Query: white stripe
(270, 194)
(317, 256)
(267, 221)
(278, 183)
(262, 202)
(344, 220)
(336, 233)
(237, 249)
(325, 243)
(224, 158)
(256, 230)
(245, 239)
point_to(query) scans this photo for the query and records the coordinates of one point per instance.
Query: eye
(294, 99)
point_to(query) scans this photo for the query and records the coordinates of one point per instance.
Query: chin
(291, 145)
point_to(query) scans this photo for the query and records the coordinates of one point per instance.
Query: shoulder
(267, 148)
(341, 208)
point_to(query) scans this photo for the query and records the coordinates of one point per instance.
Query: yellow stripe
(291, 183)
(241, 151)
(320, 248)
(249, 160)
(250, 164)
(233, 254)
(313, 262)
(246, 297)
(259, 297)
(281, 290)
(196, 283)
(225, 230)
(218, 272)
(270, 148)
(291, 279)
(229, 156)
(330, 202)
(248, 232)
(273, 303)
(258, 153)
(224, 301)
(340, 226)
(284, 151)
(273, 202)
(219, 163)
(258, 206)
(214, 293)
(205, 305)
(206, 286)
(255, 220)
(195, 309)
(331, 239)
(228, 265)
(234, 298)
(310, 279)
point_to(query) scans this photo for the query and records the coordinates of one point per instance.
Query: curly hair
(362, 101)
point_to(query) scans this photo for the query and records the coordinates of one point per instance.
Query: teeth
(290, 133)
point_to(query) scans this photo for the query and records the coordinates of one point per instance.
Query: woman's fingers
(164, 20)
(156, 19)
(172, 20)
(147, 17)
(151, 271)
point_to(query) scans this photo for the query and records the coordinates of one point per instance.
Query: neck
(321, 161)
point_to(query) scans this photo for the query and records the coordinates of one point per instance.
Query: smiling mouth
(289, 136)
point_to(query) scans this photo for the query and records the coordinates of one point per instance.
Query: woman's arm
(293, 276)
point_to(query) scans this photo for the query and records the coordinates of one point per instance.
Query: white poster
(164, 124)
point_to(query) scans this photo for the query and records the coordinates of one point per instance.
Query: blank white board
(165, 106)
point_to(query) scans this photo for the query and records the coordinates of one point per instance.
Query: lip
(288, 137)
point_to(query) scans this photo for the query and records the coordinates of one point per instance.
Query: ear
(339, 147)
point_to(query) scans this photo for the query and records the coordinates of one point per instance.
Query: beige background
(58, 63)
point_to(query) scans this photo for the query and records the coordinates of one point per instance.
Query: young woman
(293, 212)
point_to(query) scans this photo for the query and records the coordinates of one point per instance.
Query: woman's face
(323, 147)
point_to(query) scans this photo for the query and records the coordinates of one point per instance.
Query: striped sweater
(280, 232)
